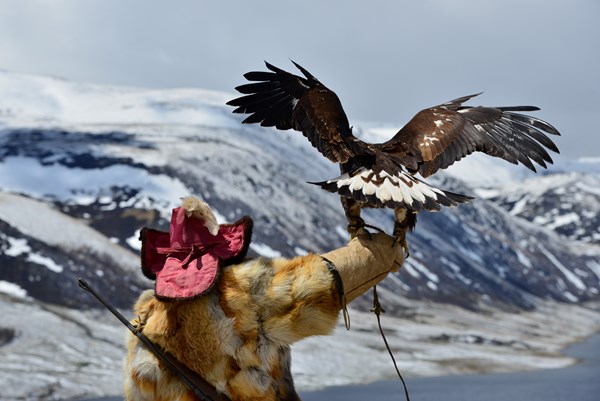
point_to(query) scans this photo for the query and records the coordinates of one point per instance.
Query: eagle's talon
(401, 239)
(405, 247)
(358, 231)
(356, 227)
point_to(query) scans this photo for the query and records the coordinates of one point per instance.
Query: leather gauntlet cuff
(364, 262)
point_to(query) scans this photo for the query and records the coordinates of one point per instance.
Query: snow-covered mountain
(83, 167)
(117, 159)
(567, 203)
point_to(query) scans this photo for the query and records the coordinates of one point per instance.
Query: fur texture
(194, 207)
(238, 336)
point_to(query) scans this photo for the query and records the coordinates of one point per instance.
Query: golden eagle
(383, 174)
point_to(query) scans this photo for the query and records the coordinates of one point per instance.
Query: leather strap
(339, 287)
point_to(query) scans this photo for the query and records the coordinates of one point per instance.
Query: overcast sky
(386, 60)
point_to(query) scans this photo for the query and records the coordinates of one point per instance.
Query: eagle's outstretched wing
(286, 101)
(375, 174)
(438, 136)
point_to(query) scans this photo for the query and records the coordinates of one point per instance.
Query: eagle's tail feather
(401, 190)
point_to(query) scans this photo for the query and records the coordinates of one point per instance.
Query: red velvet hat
(185, 261)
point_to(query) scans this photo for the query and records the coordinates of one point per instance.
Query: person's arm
(301, 297)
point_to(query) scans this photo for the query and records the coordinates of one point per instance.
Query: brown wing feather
(438, 136)
(286, 101)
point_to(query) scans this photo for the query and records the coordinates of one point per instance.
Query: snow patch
(524, 260)
(265, 250)
(594, 267)
(41, 222)
(134, 241)
(44, 261)
(300, 251)
(12, 289)
(84, 186)
(422, 269)
(456, 269)
(406, 266)
(570, 296)
(18, 246)
(482, 171)
(42, 99)
(519, 206)
(563, 220)
(573, 279)
(342, 232)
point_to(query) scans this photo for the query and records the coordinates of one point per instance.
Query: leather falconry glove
(365, 262)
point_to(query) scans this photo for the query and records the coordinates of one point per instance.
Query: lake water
(580, 382)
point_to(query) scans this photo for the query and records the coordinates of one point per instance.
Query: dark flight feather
(378, 175)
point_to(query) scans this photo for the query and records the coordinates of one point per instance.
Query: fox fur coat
(238, 335)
